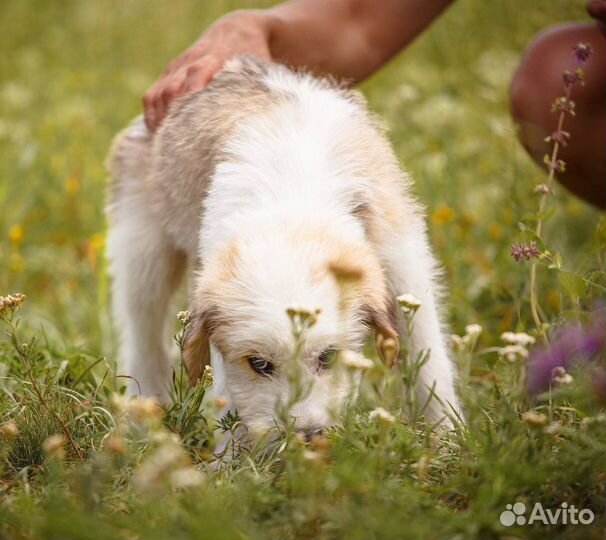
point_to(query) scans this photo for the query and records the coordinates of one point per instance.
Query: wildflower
(186, 477)
(301, 316)
(557, 165)
(381, 416)
(573, 77)
(569, 344)
(564, 104)
(115, 444)
(473, 330)
(11, 302)
(560, 376)
(355, 361)
(15, 234)
(72, 185)
(518, 338)
(468, 341)
(559, 137)
(443, 214)
(581, 52)
(495, 231)
(184, 317)
(54, 445)
(94, 247)
(144, 409)
(534, 419)
(541, 189)
(208, 379)
(513, 353)
(458, 341)
(525, 251)
(408, 303)
(9, 430)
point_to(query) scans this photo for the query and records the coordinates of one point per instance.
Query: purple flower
(525, 251)
(581, 52)
(572, 78)
(558, 137)
(563, 104)
(571, 344)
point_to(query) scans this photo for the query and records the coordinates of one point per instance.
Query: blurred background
(72, 74)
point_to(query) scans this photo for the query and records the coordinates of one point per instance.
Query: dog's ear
(196, 346)
(384, 322)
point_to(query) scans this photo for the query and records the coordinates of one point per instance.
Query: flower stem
(534, 303)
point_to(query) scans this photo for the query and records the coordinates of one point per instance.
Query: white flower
(459, 342)
(517, 338)
(473, 331)
(354, 360)
(382, 416)
(186, 477)
(184, 317)
(559, 376)
(409, 303)
(513, 353)
(302, 317)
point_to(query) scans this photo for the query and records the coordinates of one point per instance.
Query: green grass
(71, 75)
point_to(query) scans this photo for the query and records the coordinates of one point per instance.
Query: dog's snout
(310, 432)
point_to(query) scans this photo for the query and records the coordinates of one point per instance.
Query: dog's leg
(145, 271)
(411, 268)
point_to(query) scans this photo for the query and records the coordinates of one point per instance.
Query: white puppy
(281, 190)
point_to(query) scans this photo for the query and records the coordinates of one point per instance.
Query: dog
(271, 188)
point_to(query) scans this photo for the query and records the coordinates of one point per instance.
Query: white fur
(299, 166)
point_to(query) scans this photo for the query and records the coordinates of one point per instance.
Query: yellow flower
(94, 247)
(443, 214)
(15, 234)
(72, 186)
(16, 263)
(494, 231)
(553, 299)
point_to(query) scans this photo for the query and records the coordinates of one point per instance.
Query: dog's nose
(310, 432)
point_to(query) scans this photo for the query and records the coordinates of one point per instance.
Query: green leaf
(574, 284)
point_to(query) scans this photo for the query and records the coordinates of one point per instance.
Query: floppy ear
(196, 347)
(384, 322)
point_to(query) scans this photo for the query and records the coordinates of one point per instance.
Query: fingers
(180, 78)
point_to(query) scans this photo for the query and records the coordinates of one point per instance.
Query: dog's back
(178, 162)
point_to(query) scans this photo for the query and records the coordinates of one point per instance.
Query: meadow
(77, 461)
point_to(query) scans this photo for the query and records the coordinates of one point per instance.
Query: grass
(72, 74)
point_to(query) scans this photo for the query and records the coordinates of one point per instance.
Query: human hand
(239, 32)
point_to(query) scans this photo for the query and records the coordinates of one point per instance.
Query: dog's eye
(260, 365)
(327, 357)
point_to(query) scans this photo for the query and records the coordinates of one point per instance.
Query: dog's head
(245, 305)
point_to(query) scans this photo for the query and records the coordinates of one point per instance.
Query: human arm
(348, 39)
